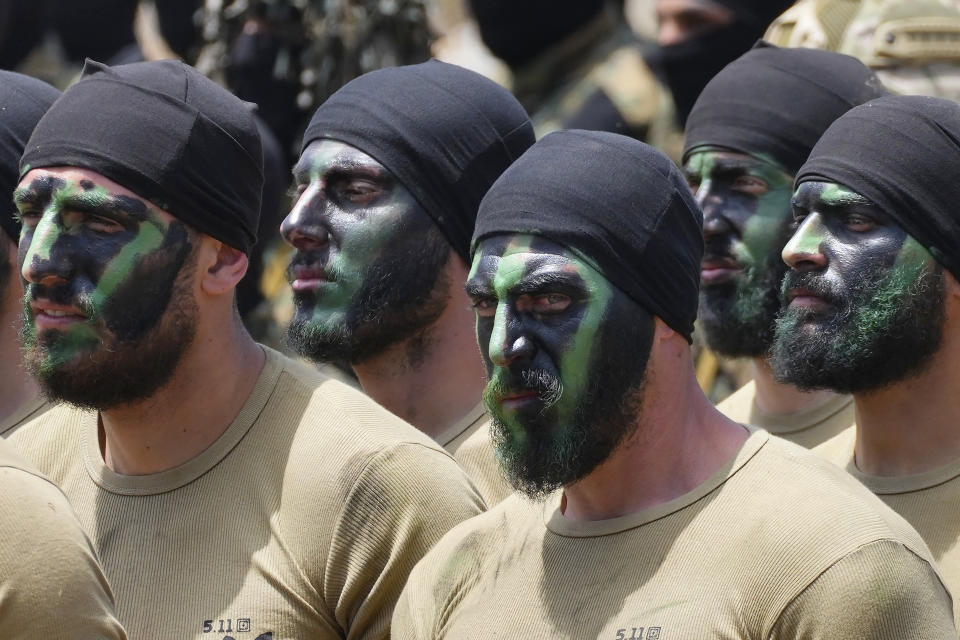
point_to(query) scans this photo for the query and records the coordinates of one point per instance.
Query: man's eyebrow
(477, 288)
(39, 190)
(537, 282)
(341, 168)
(93, 202)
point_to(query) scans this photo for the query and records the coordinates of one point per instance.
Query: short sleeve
(880, 591)
(403, 502)
(51, 584)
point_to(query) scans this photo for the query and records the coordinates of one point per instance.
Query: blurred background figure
(914, 45)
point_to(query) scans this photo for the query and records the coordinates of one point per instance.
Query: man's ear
(222, 267)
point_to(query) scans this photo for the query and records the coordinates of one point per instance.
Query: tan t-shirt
(26, 412)
(469, 443)
(806, 428)
(51, 584)
(778, 544)
(929, 501)
(302, 520)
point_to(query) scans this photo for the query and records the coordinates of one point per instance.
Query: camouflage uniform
(603, 56)
(914, 45)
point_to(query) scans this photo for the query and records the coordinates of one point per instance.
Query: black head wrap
(619, 203)
(23, 100)
(446, 134)
(169, 134)
(900, 152)
(778, 102)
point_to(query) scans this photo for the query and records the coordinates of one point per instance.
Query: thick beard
(548, 455)
(885, 332)
(738, 318)
(400, 297)
(118, 373)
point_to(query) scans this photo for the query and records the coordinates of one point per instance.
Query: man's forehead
(812, 193)
(51, 180)
(525, 255)
(327, 153)
(706, 159)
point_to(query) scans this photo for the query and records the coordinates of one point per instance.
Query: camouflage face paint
(746, 207)
(368, 267)
(565, 353)
(100, 270)
(865, 300)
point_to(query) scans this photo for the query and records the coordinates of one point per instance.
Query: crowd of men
(527, 451)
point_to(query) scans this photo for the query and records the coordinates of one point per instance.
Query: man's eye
(485, 307)
(359, 190)
(551, 303)
(858, 223)
(750, 184)
(102, 225)
(694, 184)
(28, 218)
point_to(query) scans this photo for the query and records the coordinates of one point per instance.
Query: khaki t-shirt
(778, 544)
(806, 428)
(51, 585)
(929, 501)
(302, 520)
(26, 412)
(469, 443)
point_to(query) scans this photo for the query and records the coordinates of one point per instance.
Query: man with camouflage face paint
(140, 196)
(748, 134)
(654, 516)
(873, 300)
(392, 171)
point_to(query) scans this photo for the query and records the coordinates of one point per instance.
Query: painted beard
(548, 450)
(738, 317)
(149, 325)
(401, 295)
(884, 331)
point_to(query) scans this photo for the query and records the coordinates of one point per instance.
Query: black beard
(853, 348)
(607, 416)
(119, 372)
(402, 294)
(738, 318)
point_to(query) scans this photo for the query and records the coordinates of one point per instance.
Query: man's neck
(18, 387)
(209, 387)
(433, 379)
(681, 441)
(911, 427)
(784, 399)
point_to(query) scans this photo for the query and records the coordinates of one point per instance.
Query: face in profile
(865, 302)
(680, 20)
(566, 354)
(746, 222)
(368, 266)
(109, 306)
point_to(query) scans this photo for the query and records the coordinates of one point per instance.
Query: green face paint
(368, 258)
(746, 206)
(100, 270)
(865, 300)
(553, 334)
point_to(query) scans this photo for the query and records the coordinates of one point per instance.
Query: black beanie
(778, 102)
(620, 204)
(902, 153)
(23, 100)
(167, 133)
(446, 133)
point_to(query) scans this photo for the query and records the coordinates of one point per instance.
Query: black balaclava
(167, 133)
(445, 132)
(900, 152)
(686, 67)
(620, 204)
(778, 102)
(517, 32)
(23, 100)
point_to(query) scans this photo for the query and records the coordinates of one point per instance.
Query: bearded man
(656, 517)
(23, 100)
(873, 304)
(227, 488)
(392, 171)
(748, 134)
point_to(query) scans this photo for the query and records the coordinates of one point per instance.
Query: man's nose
(39, 265)
(509, 340)
(304, 227)
(804, 250)
(715, 222)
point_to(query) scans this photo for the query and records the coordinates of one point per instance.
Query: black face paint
(108, 299)
(865, 301)
(368, 271)
(566, 355)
